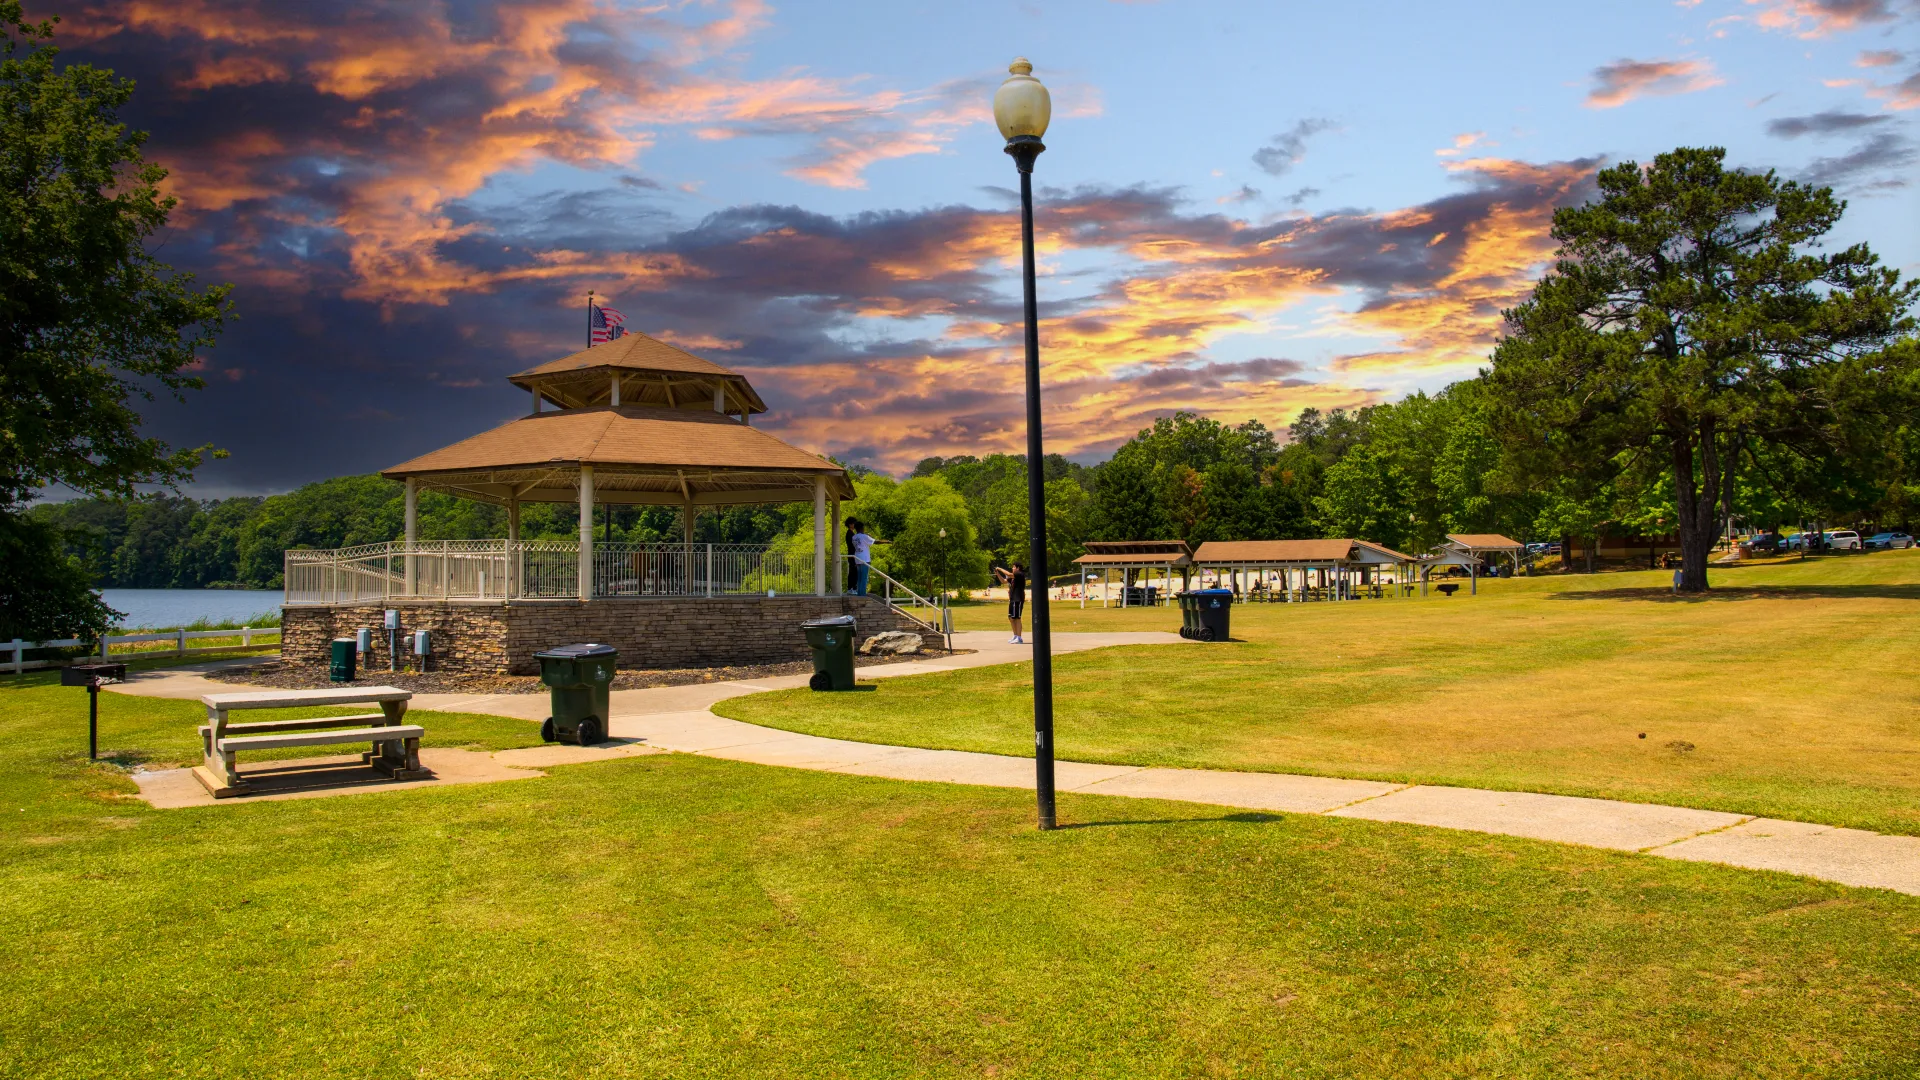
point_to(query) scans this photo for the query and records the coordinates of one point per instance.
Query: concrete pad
(1252, 791)
(540, 757)
(188, 681)
(1849, 856)
(317, 778)
(517, 706)
(805, 752)
(693, 732)
(1561, 818)
(986, 770)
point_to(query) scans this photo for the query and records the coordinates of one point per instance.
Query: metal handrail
(913, 600)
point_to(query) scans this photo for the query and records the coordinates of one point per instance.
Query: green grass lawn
(679, 916)
(1793, 690)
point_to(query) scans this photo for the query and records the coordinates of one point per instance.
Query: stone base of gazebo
(650, 632)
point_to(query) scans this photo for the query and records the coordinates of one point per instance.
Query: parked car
(1889, 541)
(1763, 543)
(1796, 542)
(1841, 540)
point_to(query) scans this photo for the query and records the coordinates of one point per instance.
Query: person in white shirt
(861, 546)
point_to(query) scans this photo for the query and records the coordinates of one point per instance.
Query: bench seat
(320, 738)
(263, 727)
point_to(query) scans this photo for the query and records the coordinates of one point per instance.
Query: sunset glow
(413, 200)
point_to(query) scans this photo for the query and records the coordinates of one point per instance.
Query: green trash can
(340, 666)
(579, 681)
(832, 642)
(1205, 614)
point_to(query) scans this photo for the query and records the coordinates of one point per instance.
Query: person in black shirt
(1015, 576)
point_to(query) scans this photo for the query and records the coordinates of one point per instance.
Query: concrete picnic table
(396, 745)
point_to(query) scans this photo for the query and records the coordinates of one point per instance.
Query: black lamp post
(1021, 109)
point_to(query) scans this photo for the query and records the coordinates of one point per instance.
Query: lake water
(153, 608)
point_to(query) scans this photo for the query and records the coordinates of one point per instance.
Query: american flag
(603, 325)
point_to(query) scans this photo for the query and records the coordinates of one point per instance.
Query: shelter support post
(586, 532)
(413, 533)
(838, 569)
(613, 392)
(820, 536)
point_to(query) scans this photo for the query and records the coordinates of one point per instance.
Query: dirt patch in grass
(282, 675)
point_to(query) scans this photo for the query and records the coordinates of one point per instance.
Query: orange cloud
(1623, 80)
(424, 113)
(1818, 18)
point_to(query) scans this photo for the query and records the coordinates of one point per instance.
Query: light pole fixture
(1021, 109)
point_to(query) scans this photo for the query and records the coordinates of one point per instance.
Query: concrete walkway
(680, 719)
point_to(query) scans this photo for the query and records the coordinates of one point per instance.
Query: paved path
(679, 718)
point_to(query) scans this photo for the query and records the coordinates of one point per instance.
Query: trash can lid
(1212, 592)
(828, 620)
(575, 652)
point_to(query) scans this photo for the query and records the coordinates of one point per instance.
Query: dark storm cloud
(1214, 376)
(359, 172)
(1882, 163)
(1289, 148)
(1831, 122)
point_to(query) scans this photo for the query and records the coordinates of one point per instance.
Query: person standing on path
(1015, 576)
(861, 545)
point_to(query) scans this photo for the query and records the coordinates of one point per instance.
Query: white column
(720, 398)
(412, 533)
(613, 395)
(836, 570)
(536, 401)
(586, 532)
(513, 555)
(820, 536)
(686, 543)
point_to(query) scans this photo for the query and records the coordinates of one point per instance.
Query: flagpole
(589, 318)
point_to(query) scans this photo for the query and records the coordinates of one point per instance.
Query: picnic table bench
(396, 746)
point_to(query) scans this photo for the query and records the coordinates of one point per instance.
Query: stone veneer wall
(658, 632)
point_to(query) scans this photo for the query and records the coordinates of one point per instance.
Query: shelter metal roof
(1390, 554)
(1256, 552)
(638, 454)
(1483, 541)
(1097, 559)
(1136, 553)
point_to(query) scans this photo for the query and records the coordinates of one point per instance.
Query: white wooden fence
(16, 650)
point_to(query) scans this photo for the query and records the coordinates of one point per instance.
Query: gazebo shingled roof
(639, 455)
(651, 372)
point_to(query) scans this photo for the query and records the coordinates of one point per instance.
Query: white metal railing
(16, 650)
(486, 570)
(495, 570)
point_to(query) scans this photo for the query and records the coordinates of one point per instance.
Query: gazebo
(635, 421)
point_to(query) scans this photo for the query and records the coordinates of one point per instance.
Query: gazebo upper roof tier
(651, 372)
(639, 455)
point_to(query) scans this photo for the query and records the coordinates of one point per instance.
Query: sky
(1243, 210)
